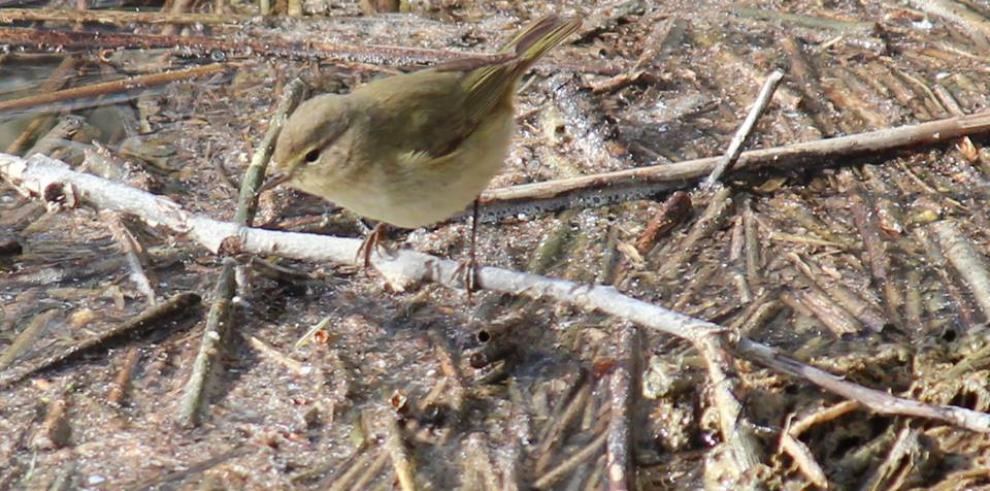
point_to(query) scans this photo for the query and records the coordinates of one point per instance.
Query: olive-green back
(433, 110)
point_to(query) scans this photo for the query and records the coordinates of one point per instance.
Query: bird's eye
(312, 156)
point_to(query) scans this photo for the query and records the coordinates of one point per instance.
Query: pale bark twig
(745, 129)
(654, 179)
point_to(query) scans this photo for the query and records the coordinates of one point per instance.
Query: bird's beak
(274, 180)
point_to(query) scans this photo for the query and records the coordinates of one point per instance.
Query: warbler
(413, 149)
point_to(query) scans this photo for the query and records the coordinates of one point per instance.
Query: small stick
(55, 430)
(133, 253)
(26, 337)
(711, 219)
(477, 459)
(834, 317)
(804, 459)
(123, 379)
(736, 431)
(254, 175)
(674, 211)
(457, 385)
(373, 470)
(553, 436)
(821, 416)
(396, 448)
(877, 257)
(622, 389)
(966, 261)
(345, 473)
(937, 260)
(756, 314)
(179, 305)
(878, 401)
(735, 145)
(588, 451)
(596, 475)
(753, 265)
(252, 47)
(955, 12)
(807, 21)
(650, 180)
(803, 74)
(218, 321)
(736, 245)
(306, 338)
(273, 354)
(117, 17)
(846, 298)
(115, 86)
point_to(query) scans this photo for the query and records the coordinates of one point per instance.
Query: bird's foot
(467, 270)
(374, 241)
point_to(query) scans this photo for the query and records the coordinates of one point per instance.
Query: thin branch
(396, 447)
(41, 176)
(177, 306)
(964, 258)
(218, 323)
(580, 457)
(623, 387)
(115, 86)
(232, 47)
(735, 146)
(650, 180)
(878, 401)
(214, 336)
(116, 17)
(134, 254)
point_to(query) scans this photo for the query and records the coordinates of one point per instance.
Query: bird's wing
(420, 113)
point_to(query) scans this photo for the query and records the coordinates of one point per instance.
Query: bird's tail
(487, 85)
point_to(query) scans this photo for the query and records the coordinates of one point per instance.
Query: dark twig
(623, 387)
(116, 17)
(719, 206)
(233, 47)
(173, 308)
(214, 336)
(26, 337)
(735, 146)
(673, 212)
(877, 257)
(115, 86)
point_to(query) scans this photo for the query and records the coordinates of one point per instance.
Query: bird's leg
(371, 242)
(470, 270)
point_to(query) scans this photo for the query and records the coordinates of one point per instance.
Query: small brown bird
(413, 149)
